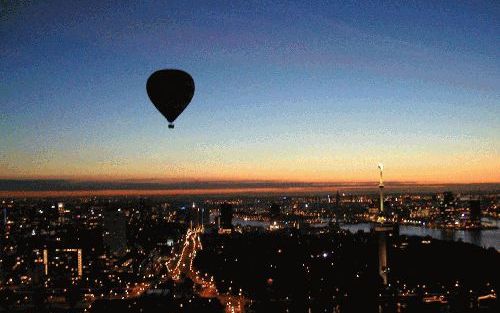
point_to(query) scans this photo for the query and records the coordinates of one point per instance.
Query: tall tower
(381, 187)
(382, 229)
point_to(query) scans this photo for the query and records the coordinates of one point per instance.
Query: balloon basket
(170, 125)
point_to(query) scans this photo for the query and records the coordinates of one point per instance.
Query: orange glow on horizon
(419, 168)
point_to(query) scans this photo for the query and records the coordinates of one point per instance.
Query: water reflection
(475, 237)
(482, 238)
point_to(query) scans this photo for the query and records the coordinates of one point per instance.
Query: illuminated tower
(382, 229)
(382, 256)
(381, 188)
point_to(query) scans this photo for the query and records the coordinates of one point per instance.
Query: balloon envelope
(170, 91)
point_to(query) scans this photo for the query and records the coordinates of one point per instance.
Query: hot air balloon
(170, 91)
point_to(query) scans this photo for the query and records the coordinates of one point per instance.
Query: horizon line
(25, 188)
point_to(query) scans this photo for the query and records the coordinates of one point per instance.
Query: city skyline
(310, 253)
(285, 92)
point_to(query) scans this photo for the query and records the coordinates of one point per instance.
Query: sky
(285, 91)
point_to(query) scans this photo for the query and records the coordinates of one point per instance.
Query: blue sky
(284, 90)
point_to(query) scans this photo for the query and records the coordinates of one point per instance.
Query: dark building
(275, 212)
(475, 211)
(114, 231)
(226, 216)
(194, 216)
(448, 198)
(198, 216)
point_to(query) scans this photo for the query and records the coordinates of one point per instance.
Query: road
(182, 263)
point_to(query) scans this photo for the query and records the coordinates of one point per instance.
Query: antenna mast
(381, 187)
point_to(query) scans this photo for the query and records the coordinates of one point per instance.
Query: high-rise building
(197, 216)
(447, 207)
(226, 216)
(274, 216)
(275, 212)
(448, 198)
(63, 263)
(60, 208)
(475, 212)
(114, 231)
(337, 199)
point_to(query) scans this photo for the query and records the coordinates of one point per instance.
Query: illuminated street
(183, 264)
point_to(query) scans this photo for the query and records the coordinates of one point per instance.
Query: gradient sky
(285, 91)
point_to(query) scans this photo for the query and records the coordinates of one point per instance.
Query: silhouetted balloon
(170, 91)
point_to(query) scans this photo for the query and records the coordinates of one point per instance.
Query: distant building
(62, 212)
(447, 207)
(114, 231)
(197, 216)
(274, 217)
(60, 208)
(226, 216)
(63, 263)
(475, 212)
(275, 212)
(448, 198)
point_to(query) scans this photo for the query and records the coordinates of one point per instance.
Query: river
(483, 238)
